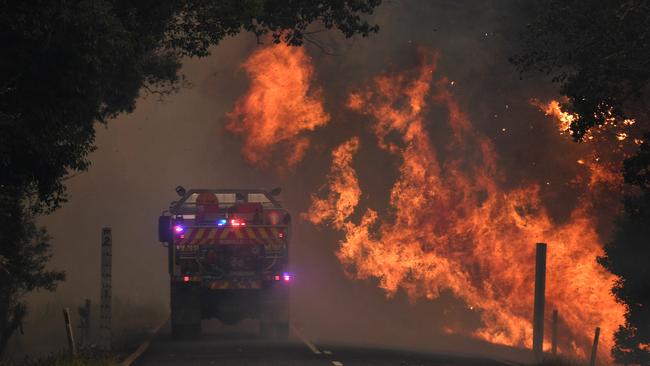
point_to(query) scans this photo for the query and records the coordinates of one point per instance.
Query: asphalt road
(220, 345)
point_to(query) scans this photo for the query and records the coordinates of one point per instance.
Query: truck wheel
(185, 312)
(266, 330)
(282, 331)
(186, 331)
(278, 331)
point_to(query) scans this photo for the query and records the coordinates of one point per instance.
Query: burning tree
(598, 52)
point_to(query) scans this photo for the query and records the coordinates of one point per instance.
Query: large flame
(280, 106)
(452, 227)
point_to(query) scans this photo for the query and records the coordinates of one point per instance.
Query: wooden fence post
(538, 316)
(554, 334)
(68, 331)
(594, 348)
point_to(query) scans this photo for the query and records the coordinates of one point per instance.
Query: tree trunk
(11, 322)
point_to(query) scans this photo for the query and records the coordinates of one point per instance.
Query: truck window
(259, 198)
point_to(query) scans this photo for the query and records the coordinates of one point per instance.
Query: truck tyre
(186, 331)
(282, 331)
(185, 311)
(266, 330)
(279, 331)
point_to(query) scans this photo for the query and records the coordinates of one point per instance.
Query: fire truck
(228, 259)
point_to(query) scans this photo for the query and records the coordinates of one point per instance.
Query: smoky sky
(180, 140)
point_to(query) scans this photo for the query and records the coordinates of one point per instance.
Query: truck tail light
(237, 222)
(186, 278)
(286, 277)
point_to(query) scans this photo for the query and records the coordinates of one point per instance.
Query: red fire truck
(228, 259)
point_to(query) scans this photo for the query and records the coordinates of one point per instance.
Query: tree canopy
(597, 51)
(69, 64)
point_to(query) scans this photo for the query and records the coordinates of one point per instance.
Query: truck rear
(228, 259)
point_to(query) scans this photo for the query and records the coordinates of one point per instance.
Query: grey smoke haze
(141, 157)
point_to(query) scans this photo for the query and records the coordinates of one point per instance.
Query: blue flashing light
(222, 222)
(286, 277)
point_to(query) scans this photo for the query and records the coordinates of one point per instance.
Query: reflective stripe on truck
(231, 235)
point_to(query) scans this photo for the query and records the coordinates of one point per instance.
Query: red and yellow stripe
(216, 235)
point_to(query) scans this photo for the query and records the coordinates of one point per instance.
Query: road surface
(220, 345)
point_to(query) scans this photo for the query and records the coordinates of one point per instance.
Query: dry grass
(84, 358)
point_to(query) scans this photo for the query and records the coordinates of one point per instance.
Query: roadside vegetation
(84, 358)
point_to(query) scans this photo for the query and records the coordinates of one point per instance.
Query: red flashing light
(237, 222)
(186, 278)
(281, 235)
(277, 278)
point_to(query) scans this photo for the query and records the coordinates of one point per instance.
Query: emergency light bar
(231, 222)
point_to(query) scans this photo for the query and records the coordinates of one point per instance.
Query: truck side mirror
(165, 229)
(275, 191)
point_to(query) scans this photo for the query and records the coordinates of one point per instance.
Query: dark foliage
(25, 251)
(67, 65)
(599, 53)
(627, 256)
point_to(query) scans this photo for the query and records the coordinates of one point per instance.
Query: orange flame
(344, 188)
(553, 109)
(454, 228)
(280, 106)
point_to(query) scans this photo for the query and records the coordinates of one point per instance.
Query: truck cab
(228, 259)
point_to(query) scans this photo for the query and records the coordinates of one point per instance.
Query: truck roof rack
(177, 207)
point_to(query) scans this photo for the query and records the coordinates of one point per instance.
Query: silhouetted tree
(67, 65)
(598, 51)
(25, 251)
(628, 256)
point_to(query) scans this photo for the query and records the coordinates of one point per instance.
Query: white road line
(337, 363)
(305, 341)
(327, 352)
(143, 347)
